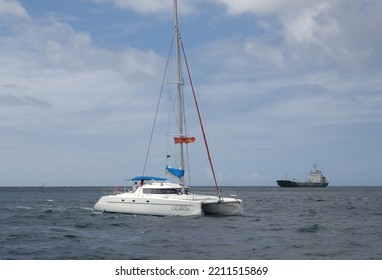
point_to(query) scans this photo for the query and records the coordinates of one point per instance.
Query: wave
(313, 228)
(23, 207)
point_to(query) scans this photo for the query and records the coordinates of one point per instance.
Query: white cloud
(261, 7)
(311, 26)
(65, 101)
(12, 8)
(54, 62)
(264, 52)
(152, 6)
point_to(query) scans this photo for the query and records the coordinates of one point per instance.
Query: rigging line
(200, 119)
(157, 109)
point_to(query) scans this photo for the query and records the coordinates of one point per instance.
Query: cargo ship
(315, 179)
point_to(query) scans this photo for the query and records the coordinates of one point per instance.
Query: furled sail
(175, 171)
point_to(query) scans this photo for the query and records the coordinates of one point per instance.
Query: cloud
(260, 7)
(152, 6)
(69, 104)
(65, 102)
(335, 33)
(12, 8)
(284, 98)
(323, 33)
(311, 26)
(10, 100)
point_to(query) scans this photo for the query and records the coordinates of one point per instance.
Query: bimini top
(147, 178)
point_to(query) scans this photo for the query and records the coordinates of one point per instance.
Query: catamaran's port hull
(148, 206)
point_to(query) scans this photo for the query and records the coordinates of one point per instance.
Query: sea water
(57, 223)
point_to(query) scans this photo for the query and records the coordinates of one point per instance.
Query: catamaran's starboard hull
(148, 206)
(225, 206)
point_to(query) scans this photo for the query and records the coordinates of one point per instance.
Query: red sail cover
(185, 140)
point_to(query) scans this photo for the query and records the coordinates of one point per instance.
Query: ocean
(57, 223)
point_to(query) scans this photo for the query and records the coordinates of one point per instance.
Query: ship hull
(160, 203)
(157, 205)
(224, 206)
(293, 184)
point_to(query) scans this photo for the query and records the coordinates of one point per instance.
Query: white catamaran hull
(160, 206)
(168, 205)
(225, 206)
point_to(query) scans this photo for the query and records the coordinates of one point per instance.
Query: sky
(282, 85)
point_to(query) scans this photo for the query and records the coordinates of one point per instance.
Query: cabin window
(161, 191)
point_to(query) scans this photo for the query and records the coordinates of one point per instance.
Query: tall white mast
(179, 86)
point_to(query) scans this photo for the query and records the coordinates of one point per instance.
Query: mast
(179, 84)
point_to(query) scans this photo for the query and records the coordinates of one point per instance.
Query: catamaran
(150, 195)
